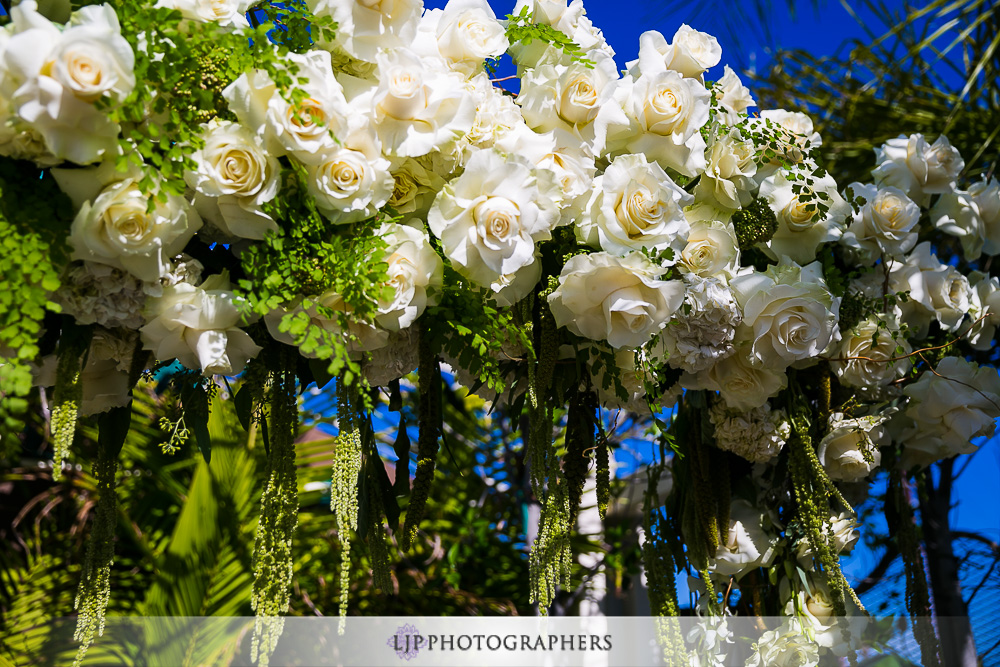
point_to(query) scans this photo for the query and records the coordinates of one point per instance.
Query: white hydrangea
(702, 331)
(101, 294)
(392, 361)
(756, 435)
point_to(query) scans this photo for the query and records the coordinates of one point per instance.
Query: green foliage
(754, 224)
(34, 215)
(524, 29)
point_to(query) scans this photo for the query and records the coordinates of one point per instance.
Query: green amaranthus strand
(67, 393)
(272, 556)
(550, 561)
(900, 518)
(428, 386)
(344, 483)
(95, 583)
(603, 473)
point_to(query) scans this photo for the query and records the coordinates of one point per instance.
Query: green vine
(344, 483)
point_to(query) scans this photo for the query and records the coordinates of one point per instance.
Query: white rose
(868, 357)
(199, 326)
(797, 125)
(415, 272)
(747, 545)
(304, 129)
(665, 113)
(841, 533)
(711, 250)
(742, 385)
(224, 12)
(365, 26)
(984, 311)
(617, 299)
(574, 170)
(956, 213)
(850, 451)
(510, 288)
(789, 313)
(490, 218)
(956, 402)
(570, 97)
(636, 205)
(936, 291)
(419, 108)
(917, 168)
(986, 195)
(733, 96)
(690, 53)
(885, 224)
(62, 74)
(728, 178)
(327, 314)
(233, 179)
(785, 647)
(802, 226)
(351, 182)
(814, 611)
(497, 117)
(117, 229)
(467, 33)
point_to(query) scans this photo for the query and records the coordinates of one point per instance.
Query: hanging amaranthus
(344, 483)
(95, 583)
(551, 559)
(67, 394)
(428, 386)
(272, 557)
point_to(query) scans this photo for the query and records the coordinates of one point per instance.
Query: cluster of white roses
(657, 171)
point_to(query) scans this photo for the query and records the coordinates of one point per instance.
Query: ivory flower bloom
(636, 205)
(466, 32)
(747, 545)
(415, 271)
(917, 168)
(742, 385)
(490, 217)
(801, 225)
(959, 402)
(757, 435)
(711, 250)
(850, 451)
(199, 326)
(937, 291)
(728, 178)
(419, 108)
(365, 26)
(733, 96)
(789, 313)
(690, 52)
(957, 213)
(117, 229)
(224, 12)
(350, 182)
(234, 177)
(984, 311)
(617, 299)
(867, 365)
(885, 225)
(785, 647)
(702, 332)
(60, 75)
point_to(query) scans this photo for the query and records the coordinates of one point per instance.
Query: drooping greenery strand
(579, 440)
(603, 473)
(272, 556)
(551, 559)
(428, 386)
(344, 483)
(543, 352)
(95, 583)
(378, 550)
(67, 394)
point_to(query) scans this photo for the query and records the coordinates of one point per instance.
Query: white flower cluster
(756, 435)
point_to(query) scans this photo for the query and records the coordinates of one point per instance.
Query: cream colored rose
(747, 545)
(885, 225)
(957, 213)
(956, 402)
(117, 229)
(984, 312)
(802, 226)
(690, 52)
(850, 451)
(841, 533)
(785, 646)
(869, 358)
(711, 249)
(199, 326)
(224, 12)
(234, 177)
(986, 195)
(490, 218)
(366, 26)
(414, 186)
(742, 385)
(936, 291)
(728, 178)
(917, 168)
(352, 182)
(415, 275)
(419, 108)
(789, 313)
(467, 33)
(617, 299)
(733, 96)
(665, 113)
(635, 205)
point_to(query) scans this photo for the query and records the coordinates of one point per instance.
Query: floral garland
(363, 199)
